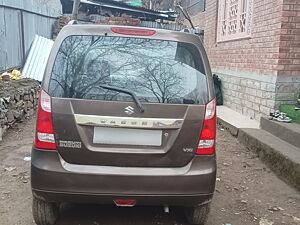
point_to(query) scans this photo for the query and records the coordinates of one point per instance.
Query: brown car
(127, 116)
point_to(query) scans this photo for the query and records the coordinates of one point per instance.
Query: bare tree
(160, 79)
(82, 65)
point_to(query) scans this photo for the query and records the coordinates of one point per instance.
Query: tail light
(206, 144)
(44, 136)
(133, 31)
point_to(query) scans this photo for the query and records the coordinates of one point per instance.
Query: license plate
(124, 136)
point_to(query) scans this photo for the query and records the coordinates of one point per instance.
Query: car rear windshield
(157, 71)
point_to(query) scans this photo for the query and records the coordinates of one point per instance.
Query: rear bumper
(54, 180)
(170, 200)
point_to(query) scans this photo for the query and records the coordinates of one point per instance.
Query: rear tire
(44, 213)
(197, 215)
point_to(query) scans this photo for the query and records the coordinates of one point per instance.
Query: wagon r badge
(70, 144)
(129, 110)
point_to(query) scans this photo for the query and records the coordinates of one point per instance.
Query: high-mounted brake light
(44, 137)
(133, 31)
(206, 144)
(125, 202)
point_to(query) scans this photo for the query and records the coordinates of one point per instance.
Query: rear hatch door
(96, 126)
(87, 132)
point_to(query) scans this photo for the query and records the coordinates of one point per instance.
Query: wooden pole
(75, 9)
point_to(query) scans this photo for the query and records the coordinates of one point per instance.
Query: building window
(234, 19)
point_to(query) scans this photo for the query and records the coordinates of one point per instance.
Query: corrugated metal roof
(120, 6)
(125, 5)
(37, 58)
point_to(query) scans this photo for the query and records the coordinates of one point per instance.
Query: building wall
(254, 70)
(289, 48)
(288, 80)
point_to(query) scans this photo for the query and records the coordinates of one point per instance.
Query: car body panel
(172, 152)
(81, 170)
(52, 175)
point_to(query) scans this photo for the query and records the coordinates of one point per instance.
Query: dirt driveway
(247, 192)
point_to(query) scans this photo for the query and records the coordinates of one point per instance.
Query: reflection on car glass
(158, 71)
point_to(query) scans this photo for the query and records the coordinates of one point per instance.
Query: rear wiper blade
(133, 95)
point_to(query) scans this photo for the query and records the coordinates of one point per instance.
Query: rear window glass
(158, 71)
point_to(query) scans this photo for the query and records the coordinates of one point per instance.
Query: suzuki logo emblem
(129, 110)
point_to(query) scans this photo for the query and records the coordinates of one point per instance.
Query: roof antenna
(186, 15)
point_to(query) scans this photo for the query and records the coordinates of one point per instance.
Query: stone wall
(257, 95)
(18, 100)
(59, 24)
(250, 94)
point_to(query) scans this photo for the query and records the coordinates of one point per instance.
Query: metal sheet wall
(10, 46)
(20, 21)
(37, 58)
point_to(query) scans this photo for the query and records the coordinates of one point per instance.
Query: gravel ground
(247, 192)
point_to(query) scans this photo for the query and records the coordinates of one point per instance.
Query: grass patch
(291, 112)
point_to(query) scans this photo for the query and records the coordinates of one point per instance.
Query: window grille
(234, 19)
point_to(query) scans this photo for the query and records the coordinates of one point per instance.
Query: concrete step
(288, 132)
(233, 121)
(282, 157)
